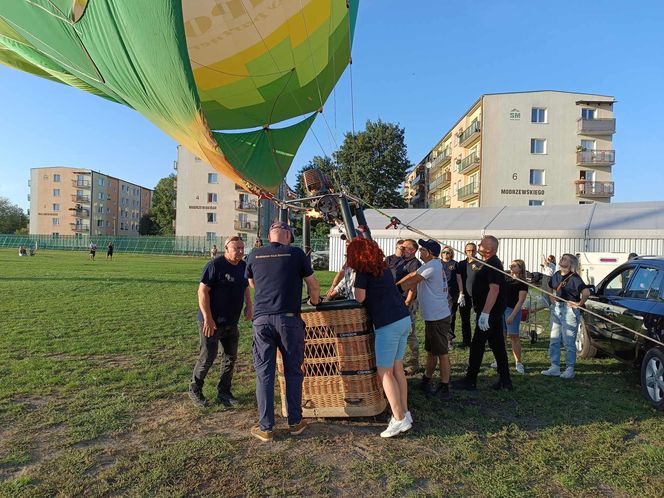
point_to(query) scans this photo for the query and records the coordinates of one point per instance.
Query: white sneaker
(396, 427)
(568, 373)
(553, 371)
(494, 364)
(408, 416)
(520, 368)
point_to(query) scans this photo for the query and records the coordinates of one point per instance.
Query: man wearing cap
(222, 291)
(433, 300)
(405, 266)
(275, 272)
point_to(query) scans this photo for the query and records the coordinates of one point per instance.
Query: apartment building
(522, 149)
(73, 201)
(209, 204)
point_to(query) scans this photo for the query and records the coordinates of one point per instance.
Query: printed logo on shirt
(267, 256)
(229, 278)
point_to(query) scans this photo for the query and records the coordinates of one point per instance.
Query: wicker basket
(339, 366)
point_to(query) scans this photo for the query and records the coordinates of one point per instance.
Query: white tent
(525, 232)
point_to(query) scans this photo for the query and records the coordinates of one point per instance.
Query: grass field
(95, 359)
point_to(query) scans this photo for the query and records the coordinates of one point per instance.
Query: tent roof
(618, 220)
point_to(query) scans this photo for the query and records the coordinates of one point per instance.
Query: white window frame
(591, 111)
(539, 110)
(212, 197)
(56, 206)
(56, 178)
(55, 222)
(530, 176)
(535, 202)
(213, 178)
(533, 141)
(56, 192)
(211, 217)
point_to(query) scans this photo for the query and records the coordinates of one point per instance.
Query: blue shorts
(391, 342)
(512, 329)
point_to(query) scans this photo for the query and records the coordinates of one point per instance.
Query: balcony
(594, 189)
(246, 205)
(468, 191)
(440, 202)
(469, 163)
(245, 226)
(415, 181)
(603, 126)
(440, 181)
(81, 199)
(469, 135)
(442, 158)
(80, 227)
(80, 213)
(596, 157)
(81, 183)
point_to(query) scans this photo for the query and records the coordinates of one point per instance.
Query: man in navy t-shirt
(222, 292)
(275, 272)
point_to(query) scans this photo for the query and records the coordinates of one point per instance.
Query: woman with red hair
(375, 287)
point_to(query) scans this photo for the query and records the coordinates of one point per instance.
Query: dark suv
(632, 295)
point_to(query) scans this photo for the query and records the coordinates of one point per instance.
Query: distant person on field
(276, 272)
(222, 291)
(109, 251)
(213, 251)
(22, 251)
(564, 316)
(466, 270)
(93, 250)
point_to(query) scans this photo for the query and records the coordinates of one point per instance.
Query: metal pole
(283, 215)
(306, 235)
(347, 217)
(362, 221)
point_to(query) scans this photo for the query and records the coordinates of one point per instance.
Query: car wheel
(652, 377)
(584, 349)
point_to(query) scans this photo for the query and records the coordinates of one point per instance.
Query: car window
(617, 284)
(641, 283)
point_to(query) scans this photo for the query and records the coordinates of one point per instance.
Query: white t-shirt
(432, 291)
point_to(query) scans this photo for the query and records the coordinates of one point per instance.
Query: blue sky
(420, 64)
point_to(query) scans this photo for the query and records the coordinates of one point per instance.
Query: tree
(372, 164)
(12, 217)
(163, 205)
(147, 226)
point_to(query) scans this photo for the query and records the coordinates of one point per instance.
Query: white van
(597, 265)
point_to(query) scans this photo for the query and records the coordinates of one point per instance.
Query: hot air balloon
(219, 76)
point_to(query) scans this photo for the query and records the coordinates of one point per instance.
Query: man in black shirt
(222, 291)
(466, 269)
(406, 265)
(276, 272)
(393, 259)
(489, 305)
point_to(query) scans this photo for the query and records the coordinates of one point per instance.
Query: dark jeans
(286, 333)
(497, 344)
(464, 313)
(228, 336)
(453, 301)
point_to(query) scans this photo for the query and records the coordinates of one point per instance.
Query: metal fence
(178, 246)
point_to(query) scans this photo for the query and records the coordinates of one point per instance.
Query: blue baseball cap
(280, 225)
(430, 245)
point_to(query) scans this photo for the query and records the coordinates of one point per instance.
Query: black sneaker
(196, 395)
(443, 392)
(227, 399)
(503, 384)
(464, 384)
(427, 387)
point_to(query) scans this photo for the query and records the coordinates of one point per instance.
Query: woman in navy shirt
(375, 287)
(565, 315)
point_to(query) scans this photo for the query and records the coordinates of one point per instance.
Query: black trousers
(497, 344)
(464, 313)
(453, 301)
(228, 336)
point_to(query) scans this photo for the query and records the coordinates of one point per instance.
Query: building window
(587, 145)
(212, 178)
(538, 115)
(537, 177)
(212, 197)
(587, 114)
(56, 192)
(211, 235)
(55, 221)
(535, 202)
(100, 223)
(100, 196)
(56, 207)
(56, 178)
(211, 217)
(537, 146)
(100, 182)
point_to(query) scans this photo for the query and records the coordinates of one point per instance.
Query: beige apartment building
(74, 201)
(521, 149)
(209, 204)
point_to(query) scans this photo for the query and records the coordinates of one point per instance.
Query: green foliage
(12, 217)
(163, 205)
(147, 225)
(373, 163)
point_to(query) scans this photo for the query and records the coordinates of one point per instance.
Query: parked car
(631, 295)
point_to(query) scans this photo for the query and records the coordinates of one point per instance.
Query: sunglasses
(446, 252)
